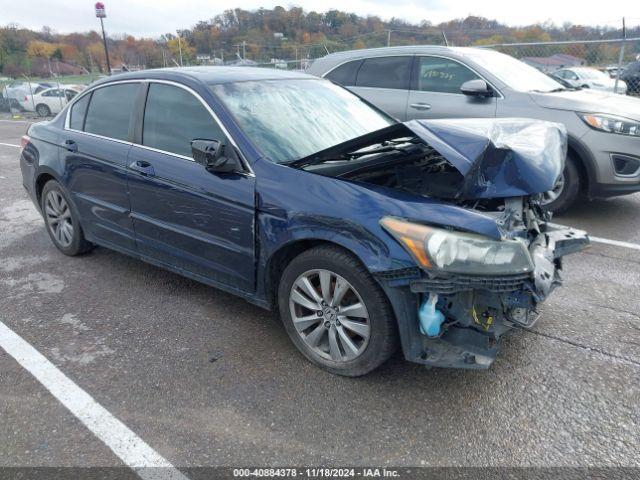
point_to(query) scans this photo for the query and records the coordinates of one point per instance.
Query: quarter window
(385, 72)
(345, 74)
(78, 111)
(110, 111)
(436, 74)
(173, 117)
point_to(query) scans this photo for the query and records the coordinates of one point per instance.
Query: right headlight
(459, 252)
(611, 123)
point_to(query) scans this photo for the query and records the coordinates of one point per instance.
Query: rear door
(435, 91)
(95, 145)
(384, 81)
(184, 215)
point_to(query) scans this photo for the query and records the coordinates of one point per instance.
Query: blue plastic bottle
(430, 318)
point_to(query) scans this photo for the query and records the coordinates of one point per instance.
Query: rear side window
(173, 117)
(385, 72)
(78, 111)
(110, 111)
(345, 74)
(437, 74)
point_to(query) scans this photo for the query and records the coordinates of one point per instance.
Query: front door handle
(71, 145)
(420, 106)
(142, 167)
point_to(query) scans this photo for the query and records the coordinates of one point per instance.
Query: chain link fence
(33, 96)
(611, 65)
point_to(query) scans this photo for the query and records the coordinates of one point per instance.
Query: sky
(151, 18)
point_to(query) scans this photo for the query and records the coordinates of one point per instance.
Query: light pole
(180, 48)
(102, 14)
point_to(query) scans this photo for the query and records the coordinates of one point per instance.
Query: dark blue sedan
(361, 232)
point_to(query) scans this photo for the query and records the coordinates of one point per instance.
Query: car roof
(210, 74)
(402, 50)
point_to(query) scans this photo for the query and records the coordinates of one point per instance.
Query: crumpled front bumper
(478, 309)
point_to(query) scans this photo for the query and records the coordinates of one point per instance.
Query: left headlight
(459, 252)
(611, 123)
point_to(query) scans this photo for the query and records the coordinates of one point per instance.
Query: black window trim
(362, 60)
(354, 60)
(135, 125)
(414, 75)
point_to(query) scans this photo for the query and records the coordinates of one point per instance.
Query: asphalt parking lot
(205, 379)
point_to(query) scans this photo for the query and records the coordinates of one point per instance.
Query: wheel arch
(43, 176)
(280, 258)
(584, 162)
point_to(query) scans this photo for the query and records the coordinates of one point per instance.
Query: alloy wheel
(58, 216)
(553, 194)
(329, 315)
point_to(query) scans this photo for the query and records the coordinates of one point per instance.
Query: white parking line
(9, 145)
(130, 448)
(607, 241)
(16, 121)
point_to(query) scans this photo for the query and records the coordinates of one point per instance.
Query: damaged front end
(467, 289)
(455, 318)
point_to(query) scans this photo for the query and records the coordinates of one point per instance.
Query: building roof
(557, 60)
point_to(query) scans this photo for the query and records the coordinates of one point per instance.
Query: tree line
(262, 35)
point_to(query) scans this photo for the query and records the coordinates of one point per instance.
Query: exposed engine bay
(497, 167)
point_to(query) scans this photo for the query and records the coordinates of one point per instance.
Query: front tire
(335, 313)
(566, 191)
(62, 220)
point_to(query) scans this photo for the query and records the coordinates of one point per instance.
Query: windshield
(516, 74)
(291, 119)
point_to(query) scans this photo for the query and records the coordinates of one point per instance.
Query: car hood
(590, 101)
(504, 157)
(497, 158)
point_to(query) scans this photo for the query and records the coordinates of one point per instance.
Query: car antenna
(444, 36)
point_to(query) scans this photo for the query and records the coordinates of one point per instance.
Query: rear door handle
(420, 106)
(71, 145)
(142, 167)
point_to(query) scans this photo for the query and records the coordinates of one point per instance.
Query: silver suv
(435, 82)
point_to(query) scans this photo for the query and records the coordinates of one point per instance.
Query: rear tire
(43, 110)
(335, 340)
(62, 220)
(569, 192)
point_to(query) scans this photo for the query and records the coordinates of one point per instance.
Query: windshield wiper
(383, 147)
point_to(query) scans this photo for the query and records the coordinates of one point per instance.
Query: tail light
(24, 141)
(26, 99)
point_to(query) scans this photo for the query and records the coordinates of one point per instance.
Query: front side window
(78, 111)
(110, 110)
(291, 119)
(173, 117)
(437, 74)
(385, 72)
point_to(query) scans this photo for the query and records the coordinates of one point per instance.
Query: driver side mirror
(477, 88)
(212, 155)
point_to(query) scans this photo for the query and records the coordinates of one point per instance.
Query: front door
(185, 216)
(435, 91)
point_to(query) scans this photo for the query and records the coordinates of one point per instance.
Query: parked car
(631, 75)
(18, 94)
(295, 194)
(585, 77)
(603, 157)
(613, 70)
(50, 100)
